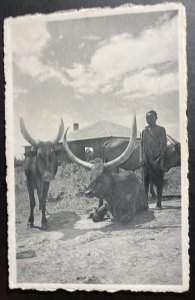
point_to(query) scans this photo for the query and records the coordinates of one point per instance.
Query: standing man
(153, 147)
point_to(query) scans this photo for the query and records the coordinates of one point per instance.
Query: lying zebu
(124, 193)
(40, 166)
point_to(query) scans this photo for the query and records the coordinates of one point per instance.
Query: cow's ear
(33, 151)
(58, 148)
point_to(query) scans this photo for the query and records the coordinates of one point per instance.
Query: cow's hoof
(30, 225)
(108, 216)
(92, 213)
(90, 216)
(97, 218)
(159, 207)
(45, 226)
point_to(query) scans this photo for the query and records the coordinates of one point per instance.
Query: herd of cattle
(123, 192)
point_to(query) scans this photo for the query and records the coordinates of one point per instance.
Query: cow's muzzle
(47, 176)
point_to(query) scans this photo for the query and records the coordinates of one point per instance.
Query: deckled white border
(75, 14)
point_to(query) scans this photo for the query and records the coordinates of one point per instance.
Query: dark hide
(114, 148)
(40, 166)
(123, 192)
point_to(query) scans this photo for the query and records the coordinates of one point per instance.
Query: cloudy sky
(93, 69)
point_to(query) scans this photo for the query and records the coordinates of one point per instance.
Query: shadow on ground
(66, 223)
(138, 220)
(62, 220)
(72, 225)
(171, 207)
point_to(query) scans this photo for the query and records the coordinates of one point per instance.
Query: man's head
(151, 118)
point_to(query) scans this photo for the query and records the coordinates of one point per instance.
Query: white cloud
(124, 54)
(111, 63)
(33, 66)
(173, 130)
(29, 42)
(107, 88)
(92, 37)
(150, 83)
(30, 38)
(76, 71)
(18, 91)
(82, 45)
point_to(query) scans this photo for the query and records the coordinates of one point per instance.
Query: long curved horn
(129, 150)
(60, 133)
(25, 133)
(174, 141)
(73, 157)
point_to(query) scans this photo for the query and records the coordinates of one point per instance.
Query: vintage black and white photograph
(96, 149)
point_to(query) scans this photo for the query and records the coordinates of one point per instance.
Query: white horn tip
(66, 131)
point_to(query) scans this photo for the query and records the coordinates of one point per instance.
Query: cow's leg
(130, 210)
(101, 200)
(42, 194)
(159, 195)
(146, 185)
(141, 198)
(94, 212)
(32, 203)
(152, 192)
(44, 197)
(100, 213)
(117, 211)
(125, 210)
(146, 182)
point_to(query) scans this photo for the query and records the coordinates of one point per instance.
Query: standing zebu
(124, 193)
(113, 148)
(40, 166)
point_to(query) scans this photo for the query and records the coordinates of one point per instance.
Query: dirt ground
(76, 250)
